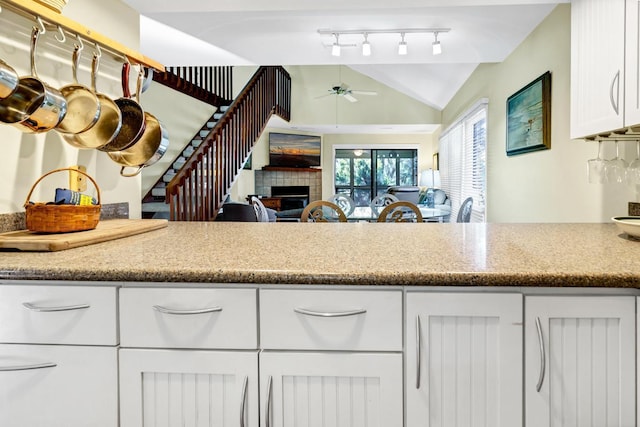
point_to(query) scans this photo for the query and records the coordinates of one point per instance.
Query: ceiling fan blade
(350, 97)
(364, 92)
(324, 96)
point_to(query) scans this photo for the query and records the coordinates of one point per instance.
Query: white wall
(542, 186)
(26, 157)
(388, 107)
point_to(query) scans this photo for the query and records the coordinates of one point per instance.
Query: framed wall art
(529, 117)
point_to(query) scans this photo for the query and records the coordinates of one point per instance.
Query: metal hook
(98, 51)
(80, 43)
(42, 28)
(62, 37)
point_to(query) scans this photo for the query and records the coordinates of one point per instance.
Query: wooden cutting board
(111, 229)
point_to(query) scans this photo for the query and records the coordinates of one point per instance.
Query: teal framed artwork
(529, 117)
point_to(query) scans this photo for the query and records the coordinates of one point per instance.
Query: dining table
(368, 214)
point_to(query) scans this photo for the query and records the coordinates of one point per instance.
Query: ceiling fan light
(366, 48)
(437, 48)
(402, 48)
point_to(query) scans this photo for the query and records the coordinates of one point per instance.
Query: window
(355, 169)
(463, 161)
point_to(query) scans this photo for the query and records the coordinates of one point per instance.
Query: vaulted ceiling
(285, 32)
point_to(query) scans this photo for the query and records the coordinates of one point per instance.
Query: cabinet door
(167, 388)
(580, 361)
(632, 64)
(597, 66)
(463, 359)
(58, 386)
(330, 389)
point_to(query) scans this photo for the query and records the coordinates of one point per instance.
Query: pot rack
(31, 9)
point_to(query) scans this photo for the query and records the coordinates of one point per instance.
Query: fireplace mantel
(286, 169)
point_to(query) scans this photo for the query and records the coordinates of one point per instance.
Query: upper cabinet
(597, 66)
(632, 64)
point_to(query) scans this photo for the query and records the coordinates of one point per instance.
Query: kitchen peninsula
(350, 254)
(367, 324)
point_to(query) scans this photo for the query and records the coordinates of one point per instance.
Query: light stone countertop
(590, 255)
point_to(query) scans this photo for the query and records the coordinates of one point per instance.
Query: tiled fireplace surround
(265, 179)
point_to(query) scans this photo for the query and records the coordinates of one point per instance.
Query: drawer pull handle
(53, 309)
(243, 403)
(418, 350)
(269, 408)
(329, 314)
(27, 367)
(542, 355)
(166, 310)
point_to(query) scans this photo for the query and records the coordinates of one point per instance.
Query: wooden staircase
(196, 185)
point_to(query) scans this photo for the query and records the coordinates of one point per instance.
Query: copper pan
(8, 80)
(146, 151)
(109, 122)
(83, 107)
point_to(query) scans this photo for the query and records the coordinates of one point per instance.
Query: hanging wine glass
(595, 168)
(633, 171)
(616, 168)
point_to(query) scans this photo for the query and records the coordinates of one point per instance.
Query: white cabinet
(188, 357)
(632, 64)
(350, 373)
(166, 388)
(580, 361)
(331, 389)
(463, 359)
(44, 381)
(597, 66)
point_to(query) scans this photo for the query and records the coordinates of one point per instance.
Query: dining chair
(261, 211)
(345, 203)
(401, 211)
(322, 211)
(464, 214)
(380, 202)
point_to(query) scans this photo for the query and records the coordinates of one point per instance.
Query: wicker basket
(50, 218)
(55, 5)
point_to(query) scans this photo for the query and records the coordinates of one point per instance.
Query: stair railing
(198, 190)
(213, 85)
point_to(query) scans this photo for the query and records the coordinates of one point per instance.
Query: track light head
(335, 48)
(436, 46)
(402, 47)
(366, 46)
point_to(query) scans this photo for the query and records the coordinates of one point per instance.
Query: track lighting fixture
(335, 48)
(436, 46)
(366, 46)
(402, 47)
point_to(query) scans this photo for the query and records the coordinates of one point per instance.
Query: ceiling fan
(344, 91)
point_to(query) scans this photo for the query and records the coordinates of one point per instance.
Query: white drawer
(58, 315)
(331, 320)
(65, 385)
(188, 318)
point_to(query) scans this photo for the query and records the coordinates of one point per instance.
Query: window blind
(463, 159)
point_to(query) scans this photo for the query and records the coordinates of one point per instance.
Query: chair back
(380, 202)
(345, 203)
(401, 211)
(261, 211)
(464, 214)
(322, 211)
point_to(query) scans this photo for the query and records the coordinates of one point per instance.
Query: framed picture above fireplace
(293, 150)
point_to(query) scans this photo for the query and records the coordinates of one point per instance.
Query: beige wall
(543, 186)
(388, 107)
(27, 156)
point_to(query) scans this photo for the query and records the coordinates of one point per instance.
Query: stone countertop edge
(543, 255)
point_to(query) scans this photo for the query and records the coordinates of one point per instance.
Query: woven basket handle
(26, 202)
